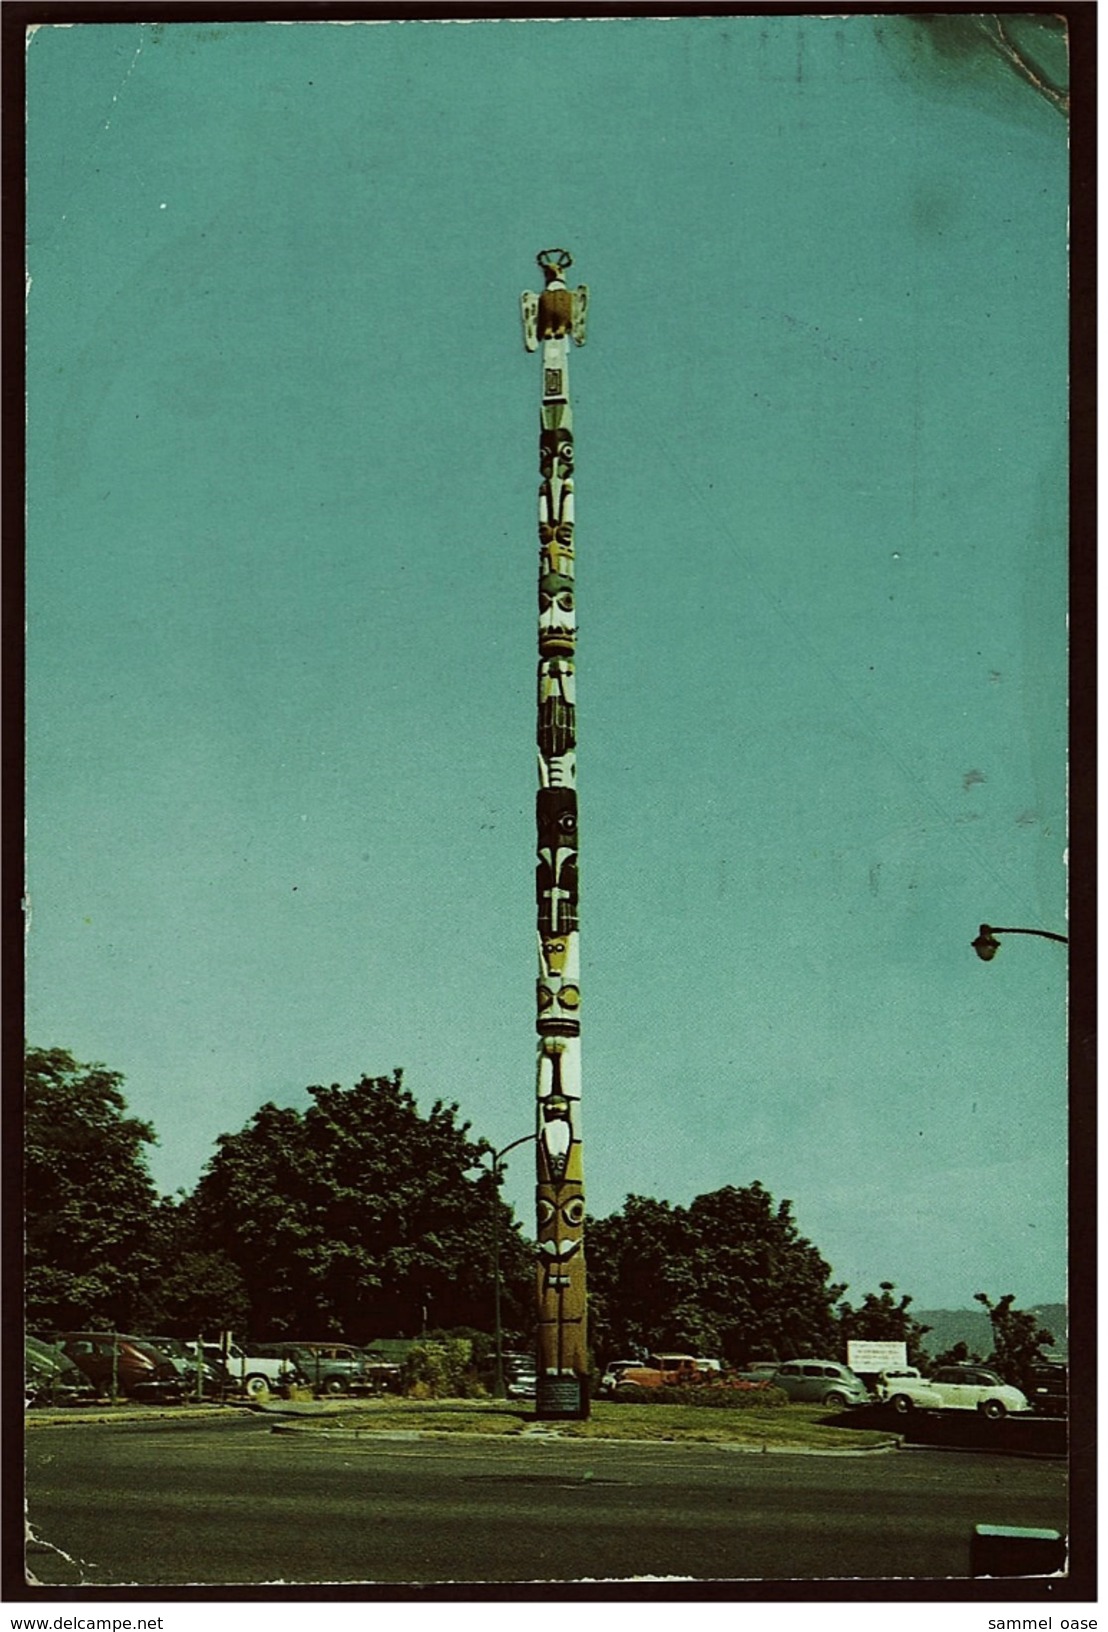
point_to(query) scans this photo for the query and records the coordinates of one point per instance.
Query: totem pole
(551, 318)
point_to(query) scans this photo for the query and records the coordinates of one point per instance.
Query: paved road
(232, 1502)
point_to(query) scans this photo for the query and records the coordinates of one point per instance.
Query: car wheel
(256, 1386)
(333, 1385)
(901, 1403)
(836, 1399)
(993, 1409)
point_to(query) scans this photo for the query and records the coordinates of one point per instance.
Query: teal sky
(281, 599)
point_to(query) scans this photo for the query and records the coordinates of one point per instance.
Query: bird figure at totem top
(558, 311)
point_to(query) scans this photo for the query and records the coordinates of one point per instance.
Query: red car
(125, 1365)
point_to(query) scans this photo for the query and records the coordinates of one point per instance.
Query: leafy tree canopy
(90, 1202)
(730, 1275)
(1017, 1339)
(358, 1217)
(883, 1318)
(959, 1354)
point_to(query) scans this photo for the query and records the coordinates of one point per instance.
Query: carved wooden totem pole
(550, 319)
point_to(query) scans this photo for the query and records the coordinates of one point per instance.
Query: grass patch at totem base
(804, 1427)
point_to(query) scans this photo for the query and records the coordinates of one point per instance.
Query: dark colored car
(385, 1376)
(131, 1366)
(51, 1378)
(329, 1368)
(1049, 1391)
(215, 1380)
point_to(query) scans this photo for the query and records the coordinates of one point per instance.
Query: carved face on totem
(557, 619)
(558, 956)
(561, 1219)
(556, 817)
(556, 452)
(555, 542)
(558, 991)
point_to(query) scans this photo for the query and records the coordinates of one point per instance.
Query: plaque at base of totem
(561, 1397)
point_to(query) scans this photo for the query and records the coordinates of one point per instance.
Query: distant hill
(971, 1326)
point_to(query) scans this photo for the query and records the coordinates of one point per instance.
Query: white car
(613, 1373)
(255, 1374)
(952, 1388)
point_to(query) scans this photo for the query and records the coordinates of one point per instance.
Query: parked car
(1050, 1393)
(657, 1371)
(820, 1382)
(214, 1378)
(130, 1365)
(385, 1376)
(523, 1385)
(613, 1371)
(951, 1388)
(514, 1360)
(639, 1380)
(329, 1368)
(253, 1373)
(51, 1378)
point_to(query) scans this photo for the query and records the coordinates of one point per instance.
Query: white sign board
(876, 1356)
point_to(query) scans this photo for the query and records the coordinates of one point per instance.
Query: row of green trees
(358, 1216)
(362, 1217)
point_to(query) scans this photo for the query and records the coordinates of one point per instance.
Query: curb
(547, 1436)
(313, 1410)
(133, 1413)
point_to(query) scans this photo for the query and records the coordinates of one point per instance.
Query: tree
(90, 1202)
(1017, 1339)
(883, 1319)
(358, 1217)
(959, 1354)
(197, 1292)
(729, 1276)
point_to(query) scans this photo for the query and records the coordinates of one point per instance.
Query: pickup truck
(255, 1374)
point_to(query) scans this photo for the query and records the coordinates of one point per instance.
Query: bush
(441, 1370)
(706, 1394)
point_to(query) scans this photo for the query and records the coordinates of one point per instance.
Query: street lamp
(498, 1389)
(987, 946)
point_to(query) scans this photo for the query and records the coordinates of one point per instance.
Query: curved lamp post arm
(525, 1139)
(498, 1389)
(987, 946)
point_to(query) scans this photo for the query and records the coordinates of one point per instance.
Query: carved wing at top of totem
(529, 309)
(580, 312)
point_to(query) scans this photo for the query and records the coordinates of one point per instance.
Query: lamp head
(986, 945)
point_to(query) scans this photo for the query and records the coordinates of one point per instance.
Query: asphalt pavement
(224, 1500)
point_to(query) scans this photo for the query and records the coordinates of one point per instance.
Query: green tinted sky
(281, 572)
